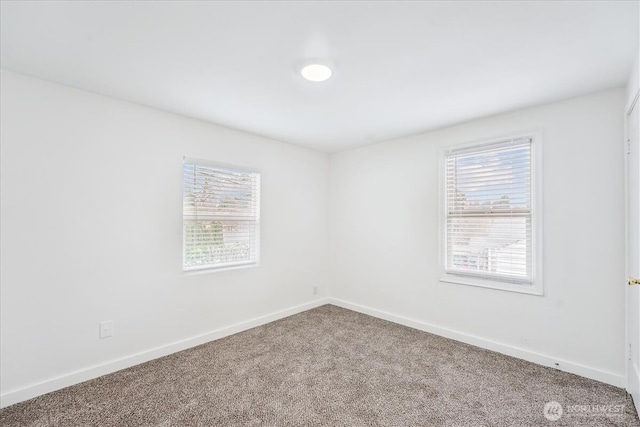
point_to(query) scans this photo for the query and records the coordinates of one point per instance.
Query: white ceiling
(399, 67)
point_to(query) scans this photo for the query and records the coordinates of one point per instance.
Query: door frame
(632, 378)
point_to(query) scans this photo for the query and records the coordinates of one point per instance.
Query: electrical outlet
(315, 290)
(106, 329)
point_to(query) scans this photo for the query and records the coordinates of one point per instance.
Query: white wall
(384, 225)
(91, 231)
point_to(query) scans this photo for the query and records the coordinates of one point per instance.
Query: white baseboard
(62, 381)
(528, 355)
(56, 383)
(633, 387)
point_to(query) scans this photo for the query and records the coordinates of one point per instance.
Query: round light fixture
(316, 72)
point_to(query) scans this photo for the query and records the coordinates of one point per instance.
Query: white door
(633, 254)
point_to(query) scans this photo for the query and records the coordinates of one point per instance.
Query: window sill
(206, 270)
(492, 284)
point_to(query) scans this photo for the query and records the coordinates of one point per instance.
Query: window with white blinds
(221, 216)
(489, 211)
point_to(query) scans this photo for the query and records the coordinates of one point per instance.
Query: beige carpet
(330, 367)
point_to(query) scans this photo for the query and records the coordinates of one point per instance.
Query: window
(221, 216)
(490, 222)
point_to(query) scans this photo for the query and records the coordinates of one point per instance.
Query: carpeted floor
(330, 367)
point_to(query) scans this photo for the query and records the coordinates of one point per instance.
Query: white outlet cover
(106, 329)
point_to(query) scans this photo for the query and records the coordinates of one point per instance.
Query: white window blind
(488, 199)
(221, 216)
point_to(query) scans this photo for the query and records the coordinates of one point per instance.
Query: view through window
(221, 207)
(488, 198)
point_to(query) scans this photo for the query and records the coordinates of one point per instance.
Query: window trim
(536, 286)
(196, 270)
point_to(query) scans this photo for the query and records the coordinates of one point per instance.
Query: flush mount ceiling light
(316, 72)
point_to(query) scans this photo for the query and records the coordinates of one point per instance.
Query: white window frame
(227, 266)
(536, 285)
